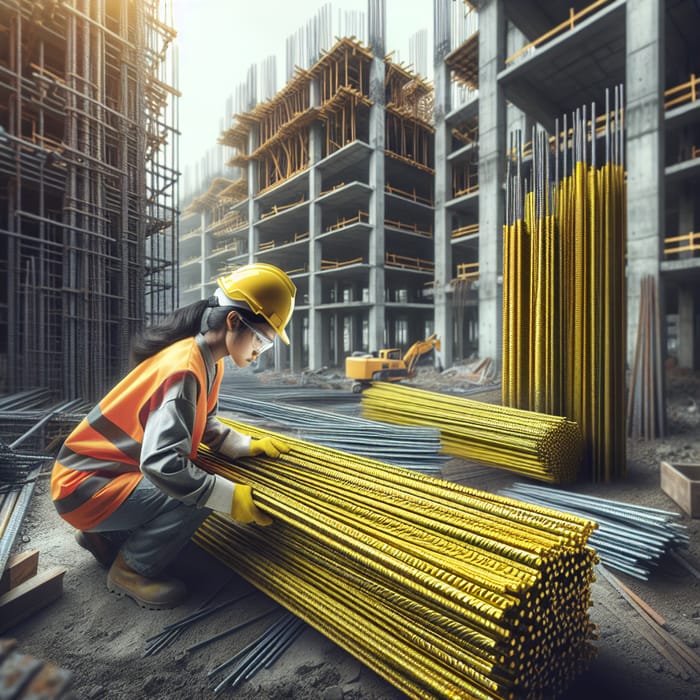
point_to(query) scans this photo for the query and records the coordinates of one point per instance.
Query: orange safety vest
(84, 492)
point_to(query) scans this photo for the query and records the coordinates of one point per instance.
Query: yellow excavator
(387, 365)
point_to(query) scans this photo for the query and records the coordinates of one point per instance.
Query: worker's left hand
(243, 508)
(270, 447)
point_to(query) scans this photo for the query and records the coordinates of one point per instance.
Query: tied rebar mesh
(445, 591)
(538, 445)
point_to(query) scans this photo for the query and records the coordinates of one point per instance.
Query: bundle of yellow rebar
(564, 298)
(538, 445)
(445, 591)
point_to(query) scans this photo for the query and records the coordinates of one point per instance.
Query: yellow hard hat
(266, 290)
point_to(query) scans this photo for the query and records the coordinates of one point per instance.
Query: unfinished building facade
(337, 190)
(88, 188)
(534, 61)
(387, 205)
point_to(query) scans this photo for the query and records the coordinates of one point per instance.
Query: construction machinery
(387, 365)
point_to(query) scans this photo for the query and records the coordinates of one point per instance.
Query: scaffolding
(88, 188)
(339, 169)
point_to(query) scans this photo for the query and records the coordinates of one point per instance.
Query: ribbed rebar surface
(564, 293)
(538, 445)
(445, 591)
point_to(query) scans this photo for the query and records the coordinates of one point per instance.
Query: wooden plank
(19, 568)
(30, 596)
(681, 653)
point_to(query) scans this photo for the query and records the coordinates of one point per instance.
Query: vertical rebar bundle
(564, 304)
(445, 591)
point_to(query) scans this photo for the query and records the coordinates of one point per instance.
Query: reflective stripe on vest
(98, 466)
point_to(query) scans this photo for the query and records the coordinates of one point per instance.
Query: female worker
(126, 472)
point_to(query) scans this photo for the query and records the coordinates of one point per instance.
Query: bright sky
(219, 40)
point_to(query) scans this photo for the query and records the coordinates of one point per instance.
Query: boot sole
(147, 605)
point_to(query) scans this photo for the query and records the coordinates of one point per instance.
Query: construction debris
(479, 372)
(444, 591)
(23, 591)
(538, 445)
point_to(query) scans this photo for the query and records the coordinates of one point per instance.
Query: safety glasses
(261, 343)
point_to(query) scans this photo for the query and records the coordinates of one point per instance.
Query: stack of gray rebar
(629, 538)
(413, 447)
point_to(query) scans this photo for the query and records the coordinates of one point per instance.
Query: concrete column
(314, 262)
(205, 267)
(252, 192)
(444, 321)
(492, 116)
(686, 327)
(644, 117)
(339, 358)
(377, 121)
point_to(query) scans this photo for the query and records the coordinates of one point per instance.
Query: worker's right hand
(270, 447)
(243, 508)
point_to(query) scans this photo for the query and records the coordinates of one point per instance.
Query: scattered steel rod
(264, 649)
(680, 654)
(229, 631)
(170, 632)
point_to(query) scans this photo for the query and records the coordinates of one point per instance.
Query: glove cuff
(221, 495)
(235, 445)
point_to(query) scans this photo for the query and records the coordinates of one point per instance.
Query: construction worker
(124, 477)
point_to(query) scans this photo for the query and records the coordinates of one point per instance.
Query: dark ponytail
(182, 323)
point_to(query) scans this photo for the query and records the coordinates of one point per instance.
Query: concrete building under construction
(383, 195)
(88, 188)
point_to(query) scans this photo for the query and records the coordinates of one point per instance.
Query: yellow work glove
(270, 447)
(243, 508)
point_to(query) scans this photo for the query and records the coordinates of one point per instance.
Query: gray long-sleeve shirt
(167, 443)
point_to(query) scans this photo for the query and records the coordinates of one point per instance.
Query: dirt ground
(101, 638)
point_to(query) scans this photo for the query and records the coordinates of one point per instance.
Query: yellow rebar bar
(539, 445)
(447, 592)
(570, 355)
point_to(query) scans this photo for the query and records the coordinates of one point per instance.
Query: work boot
(99, 546)
(151, 593)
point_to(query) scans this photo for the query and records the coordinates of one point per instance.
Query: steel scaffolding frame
(88, 188)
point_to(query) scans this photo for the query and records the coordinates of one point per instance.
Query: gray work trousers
(156, 527)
